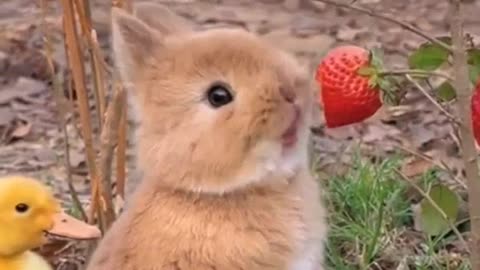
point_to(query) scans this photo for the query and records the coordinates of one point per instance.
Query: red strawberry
(347, 96)
(475, 103)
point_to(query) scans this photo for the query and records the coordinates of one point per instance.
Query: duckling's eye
(219, 95)
(21, 208)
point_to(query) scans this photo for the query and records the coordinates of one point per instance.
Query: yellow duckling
(28, 211)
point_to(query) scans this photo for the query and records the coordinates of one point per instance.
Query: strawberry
(348, 97)
(475, 103)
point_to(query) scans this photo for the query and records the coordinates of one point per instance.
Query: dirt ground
(32, 143)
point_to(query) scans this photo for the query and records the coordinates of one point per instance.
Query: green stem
(415, 73)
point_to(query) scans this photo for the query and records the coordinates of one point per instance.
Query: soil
(32, 143)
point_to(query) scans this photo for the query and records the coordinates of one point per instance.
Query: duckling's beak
(70, 227)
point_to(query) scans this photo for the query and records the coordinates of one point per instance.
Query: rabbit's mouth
(290, 136)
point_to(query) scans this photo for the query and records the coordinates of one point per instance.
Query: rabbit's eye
(218, 96)
(21, 208)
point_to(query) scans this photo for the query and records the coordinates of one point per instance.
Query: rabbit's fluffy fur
(221, 189)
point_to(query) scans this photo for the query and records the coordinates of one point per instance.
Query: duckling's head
(27, 210)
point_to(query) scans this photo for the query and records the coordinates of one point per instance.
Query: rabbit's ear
(133, 43)
(161, 19)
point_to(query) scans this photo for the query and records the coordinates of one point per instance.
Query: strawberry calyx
(373, 70)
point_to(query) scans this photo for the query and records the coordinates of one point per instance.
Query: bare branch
(391, 19)
(429, 97)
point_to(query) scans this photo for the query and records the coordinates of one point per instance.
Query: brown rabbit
(222, 145)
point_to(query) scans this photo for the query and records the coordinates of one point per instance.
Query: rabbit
(222, 145)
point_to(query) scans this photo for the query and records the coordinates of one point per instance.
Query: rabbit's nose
(288, 94)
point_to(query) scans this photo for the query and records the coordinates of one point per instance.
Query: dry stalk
(62, 112)
(108, 126)
(97, 67)
(96, 60)
(464, 92)
(108, 139)
(76, 64)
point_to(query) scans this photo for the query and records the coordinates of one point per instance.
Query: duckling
(28, 212)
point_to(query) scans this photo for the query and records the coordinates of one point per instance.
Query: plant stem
(431, 99)
(415, 73)
(462, 84)
(391, 19)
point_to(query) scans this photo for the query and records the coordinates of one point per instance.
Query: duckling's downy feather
(35, 262)
(26, 261)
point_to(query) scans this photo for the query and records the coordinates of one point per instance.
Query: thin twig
(435, 205)
(391, 19)
(62, 112)
(455, 136)
(464, 92)
(441, 164)
(429, 97)
(415, 72)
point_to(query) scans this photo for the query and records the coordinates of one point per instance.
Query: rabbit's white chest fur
(272, 161)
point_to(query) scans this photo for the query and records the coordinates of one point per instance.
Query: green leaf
(428, 57)
(366, 71)
(474, 57)
(446, 92)
(432, 221)
(474, 65)
(474, 73)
